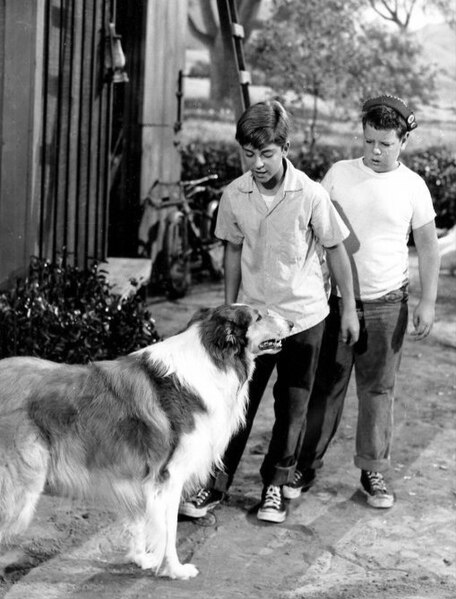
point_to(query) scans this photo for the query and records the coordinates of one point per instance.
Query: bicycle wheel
(214, 247)
(176, 257)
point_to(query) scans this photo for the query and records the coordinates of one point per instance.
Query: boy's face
(382, 148)
(266, 164)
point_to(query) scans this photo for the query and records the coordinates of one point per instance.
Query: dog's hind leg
(23, 470)
(148, 533)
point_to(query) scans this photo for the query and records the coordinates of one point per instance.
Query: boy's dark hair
(262, 124)
(388, 112)
(383, 117)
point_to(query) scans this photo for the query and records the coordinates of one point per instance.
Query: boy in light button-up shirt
(274, 220)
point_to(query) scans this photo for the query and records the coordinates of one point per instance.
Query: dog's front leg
(171, 566)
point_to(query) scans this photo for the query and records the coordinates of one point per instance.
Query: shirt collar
(291, 182)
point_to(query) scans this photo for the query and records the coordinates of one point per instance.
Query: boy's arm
(427, 248)
(232, 265)
(340, 268)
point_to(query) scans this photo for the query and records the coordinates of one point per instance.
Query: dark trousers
(296, 367)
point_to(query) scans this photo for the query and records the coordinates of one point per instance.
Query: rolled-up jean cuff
(382, 465)
(221, 482)
(280, 475)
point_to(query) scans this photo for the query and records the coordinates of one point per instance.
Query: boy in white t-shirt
(381, 201)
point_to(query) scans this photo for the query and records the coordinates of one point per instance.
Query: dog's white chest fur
(223, 395)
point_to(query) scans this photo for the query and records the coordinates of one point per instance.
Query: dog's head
(234, 328)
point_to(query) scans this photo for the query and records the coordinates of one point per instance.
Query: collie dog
(138, 430)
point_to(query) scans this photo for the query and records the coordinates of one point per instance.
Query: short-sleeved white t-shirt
(280, 259)
(380, 210)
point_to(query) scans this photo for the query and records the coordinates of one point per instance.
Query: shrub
(316, 163)
(437, 166)
(65, 314)
(200, 69)
(201, 159)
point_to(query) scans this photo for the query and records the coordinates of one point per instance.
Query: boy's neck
(271, 187)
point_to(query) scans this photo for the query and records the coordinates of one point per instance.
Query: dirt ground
(332, 545)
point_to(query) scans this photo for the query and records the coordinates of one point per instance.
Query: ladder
(233, 42)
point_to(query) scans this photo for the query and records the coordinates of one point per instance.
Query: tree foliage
(390, 62)
(400, 12)
(321, 49)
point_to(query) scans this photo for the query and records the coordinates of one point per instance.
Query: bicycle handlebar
(198, 181)
(185, 186)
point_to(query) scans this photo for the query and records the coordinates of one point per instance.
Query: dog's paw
(180, 571)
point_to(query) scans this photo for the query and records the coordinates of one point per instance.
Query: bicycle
(185, 234)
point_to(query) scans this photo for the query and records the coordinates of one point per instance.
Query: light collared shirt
(281, 258)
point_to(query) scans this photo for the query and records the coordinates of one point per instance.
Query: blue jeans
(296, 367)
(375, 358)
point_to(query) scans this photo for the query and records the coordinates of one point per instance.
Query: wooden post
(232, 36)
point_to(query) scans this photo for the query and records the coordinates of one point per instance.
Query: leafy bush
(200, 69)
(65, 314)
(201, 159)
(316, 163)
(437, 166)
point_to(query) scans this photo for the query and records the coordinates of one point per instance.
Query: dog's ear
(236, 327)
(231, 333)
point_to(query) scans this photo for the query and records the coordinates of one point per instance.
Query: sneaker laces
(201, 496)
(272, 497)
(377, 482)
(297, 478)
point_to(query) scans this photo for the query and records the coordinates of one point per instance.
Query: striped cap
(396, 104)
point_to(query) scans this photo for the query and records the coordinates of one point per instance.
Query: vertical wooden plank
(104, 108)
(166, 32)
(87, 148)
(73, 131)
(50, 86)
(51, 132)
(19, 106)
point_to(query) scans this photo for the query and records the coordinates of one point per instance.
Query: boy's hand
(423, 319)
(349, 326)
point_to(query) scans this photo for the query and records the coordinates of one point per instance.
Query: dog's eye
(259, 317)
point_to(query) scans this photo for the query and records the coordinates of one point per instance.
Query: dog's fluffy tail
(23, 467)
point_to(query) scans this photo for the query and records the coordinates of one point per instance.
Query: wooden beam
(232, 37)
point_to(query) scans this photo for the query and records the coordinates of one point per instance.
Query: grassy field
(206, 125)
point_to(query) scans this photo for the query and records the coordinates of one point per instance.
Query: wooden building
(89, 114)
(81, 144)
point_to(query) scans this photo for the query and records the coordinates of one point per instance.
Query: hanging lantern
(114, 57)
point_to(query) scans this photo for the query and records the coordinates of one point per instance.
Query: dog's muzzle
(271, 344)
